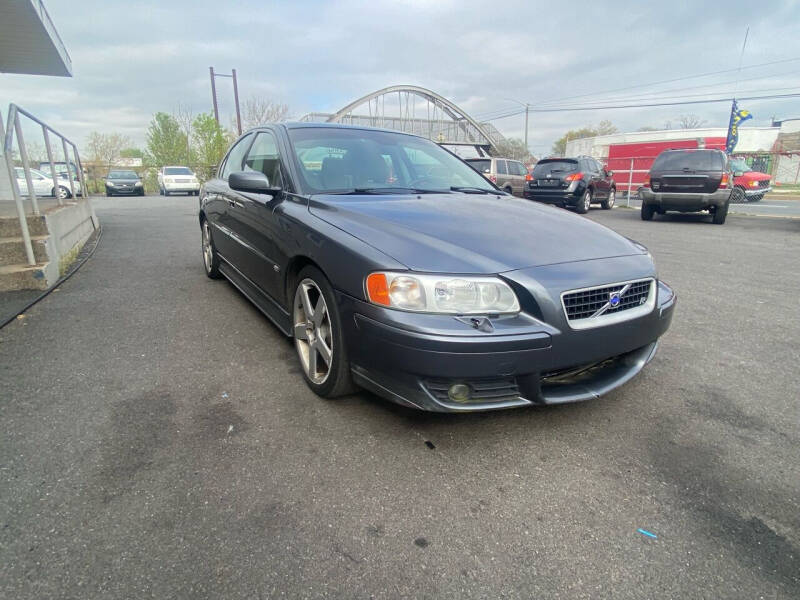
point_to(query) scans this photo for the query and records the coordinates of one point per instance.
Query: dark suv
(577, 182)
(688, 181)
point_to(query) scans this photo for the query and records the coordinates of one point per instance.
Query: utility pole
(527, 109)
(235, 96)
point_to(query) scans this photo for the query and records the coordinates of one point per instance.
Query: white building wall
(751, 139)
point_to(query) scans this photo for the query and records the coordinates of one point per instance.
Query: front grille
(763, 183)
(583, 304)
(483, 390)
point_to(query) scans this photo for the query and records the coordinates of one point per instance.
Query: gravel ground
(157, 441)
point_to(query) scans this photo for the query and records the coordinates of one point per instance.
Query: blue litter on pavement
(225, 394)
(647, 533)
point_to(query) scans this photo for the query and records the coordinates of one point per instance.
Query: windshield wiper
(473, 190)
(388, 190)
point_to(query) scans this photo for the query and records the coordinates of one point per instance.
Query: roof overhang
(29, 42)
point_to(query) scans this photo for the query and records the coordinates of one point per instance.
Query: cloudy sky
(131, 59)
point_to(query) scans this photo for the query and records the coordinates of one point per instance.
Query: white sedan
(43, 184)
(177, 179)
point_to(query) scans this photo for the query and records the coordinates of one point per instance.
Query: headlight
(110, 183)
(138, 184)
(446, 294)
(754, 183)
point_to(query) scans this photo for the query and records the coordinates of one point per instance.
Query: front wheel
(648, 210)
(584, 203)
(63, 193)
(210, 257)
(738, 196)
(317, 330)
(608, 203)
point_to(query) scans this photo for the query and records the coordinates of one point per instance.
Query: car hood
(753, 176)
(123, 180)
(470, 233)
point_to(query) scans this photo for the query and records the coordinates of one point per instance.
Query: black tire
(210, 256)
(648, 210)
(720, 214)
(508, 191)
(141, 192)
(338, 381)
(738, 196)
(582, 207)
(108, 194)
(160, 191)
(609, 202)
(166, 192)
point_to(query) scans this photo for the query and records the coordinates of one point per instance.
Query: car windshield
(177, 171)
(738, 165)
(481, 165)
(366, 161)
(123, 175)
(693, 160)
(550, 167)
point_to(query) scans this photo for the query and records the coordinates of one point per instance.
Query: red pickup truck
(749, 185)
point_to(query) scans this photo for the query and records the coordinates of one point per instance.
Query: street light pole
(527, 108)
(235, 96)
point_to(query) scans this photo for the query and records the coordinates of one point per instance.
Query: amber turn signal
(378, 289)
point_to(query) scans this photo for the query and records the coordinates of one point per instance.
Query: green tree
(210, 142)
(167, 143)
(131, 153)
(513, 148)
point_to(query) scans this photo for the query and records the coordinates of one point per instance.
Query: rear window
(177, 171)
(554, 167)
(696, 160)
(481, 165)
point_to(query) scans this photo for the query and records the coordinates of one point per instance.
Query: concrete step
(9, 226)
(12, 250)
(23, 277)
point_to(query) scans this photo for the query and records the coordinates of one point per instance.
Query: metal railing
(15, 128)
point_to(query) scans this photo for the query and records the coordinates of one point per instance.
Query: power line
(709, 101)
(640, 85)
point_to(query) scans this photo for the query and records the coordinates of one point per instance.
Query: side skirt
(276, 313)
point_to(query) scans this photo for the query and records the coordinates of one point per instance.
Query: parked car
(575, 182)
(62, 169)
(43, 184)
(177, 179)
(124, 182)
(397, 268)
(688, 181)
(507, 174)
(748, 185)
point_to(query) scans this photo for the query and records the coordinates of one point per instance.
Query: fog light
(459, 392)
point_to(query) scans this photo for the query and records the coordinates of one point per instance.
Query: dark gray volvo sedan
(396, 267)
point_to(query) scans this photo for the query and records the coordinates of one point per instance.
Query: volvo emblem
(613, 299)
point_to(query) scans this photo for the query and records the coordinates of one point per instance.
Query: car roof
(311, 125)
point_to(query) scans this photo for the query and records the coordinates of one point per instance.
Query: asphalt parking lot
(157, 440)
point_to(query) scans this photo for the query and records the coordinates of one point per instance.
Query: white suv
(177, 179)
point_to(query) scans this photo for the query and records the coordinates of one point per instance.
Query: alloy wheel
(612, 197)
(312, 331)
(63, 193)
(208, 250)
(587, 201)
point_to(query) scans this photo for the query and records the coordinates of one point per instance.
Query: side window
(264, 157)
(501, 167)
(235, 158)
(521, 170)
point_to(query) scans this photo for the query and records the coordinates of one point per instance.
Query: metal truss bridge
(416, 110)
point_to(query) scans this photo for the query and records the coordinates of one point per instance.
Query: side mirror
(252, 182)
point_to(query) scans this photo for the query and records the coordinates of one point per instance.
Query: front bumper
(684, 202)
(412, 359)
(118, 189)
(182, 187)
(757, 191)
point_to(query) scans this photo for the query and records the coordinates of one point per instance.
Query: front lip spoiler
(586, 387)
